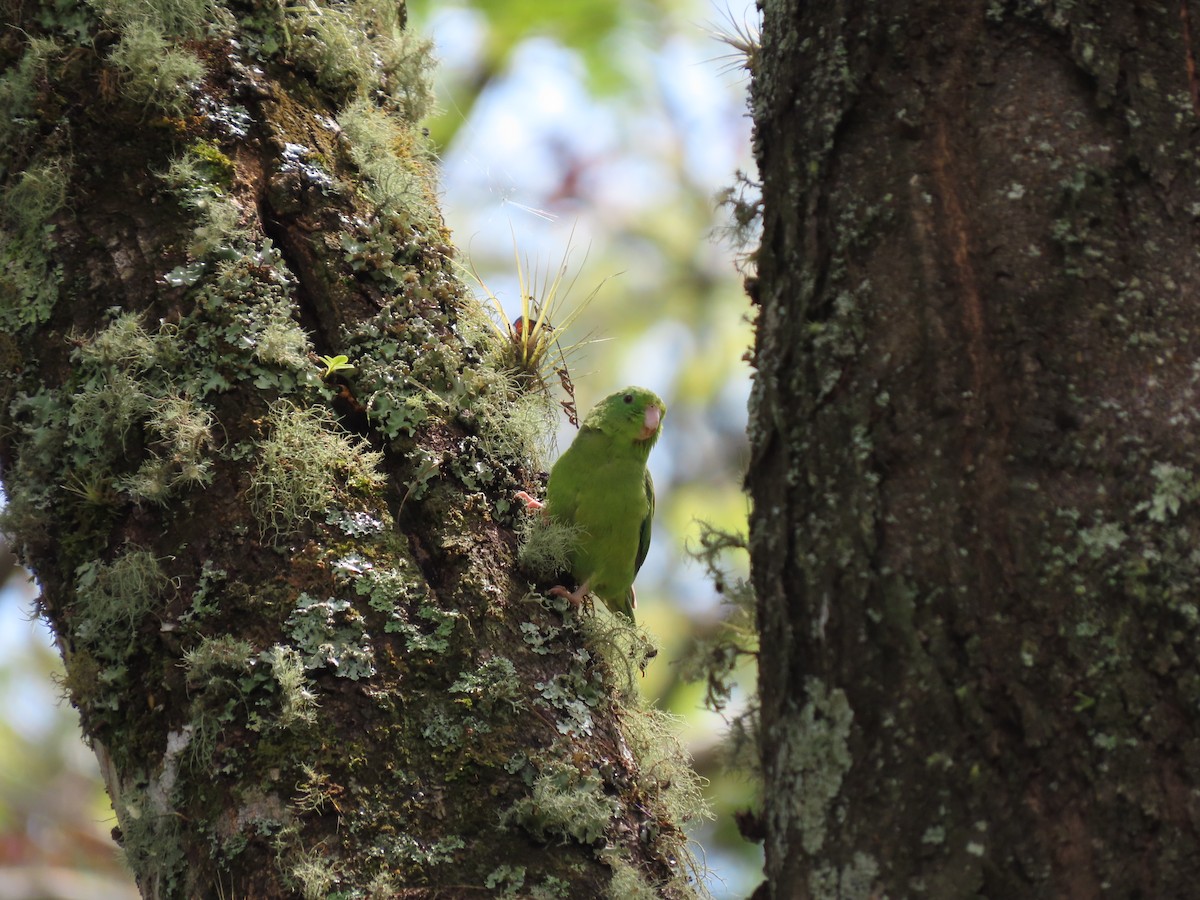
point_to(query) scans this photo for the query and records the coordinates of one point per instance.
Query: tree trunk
(257, 444)
(975, 507)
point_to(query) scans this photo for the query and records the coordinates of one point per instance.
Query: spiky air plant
(743, 38)
(531, 348)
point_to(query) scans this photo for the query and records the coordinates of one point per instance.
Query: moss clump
(153, 72)
(546, 545)
(29, 276)
(327, 40)
(19, 92)
(307, 460)
(565, 804)
(151, 837)
(113, 598)
(173, 18)
(399, 177)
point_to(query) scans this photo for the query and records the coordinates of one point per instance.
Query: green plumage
(601, 484)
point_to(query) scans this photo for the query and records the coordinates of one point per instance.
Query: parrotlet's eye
(628, 398)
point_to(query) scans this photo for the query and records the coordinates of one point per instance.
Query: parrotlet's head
(633, 414)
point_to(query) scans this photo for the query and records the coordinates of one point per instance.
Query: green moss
(154, 72)
(29, 276)
(564, 805)
(306, 462)
(399, 178)
(546, 545)
(19, 93)
(151, 838)
(173, 18)
(113, 598)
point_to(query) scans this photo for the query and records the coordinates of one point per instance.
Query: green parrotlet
(601, 484)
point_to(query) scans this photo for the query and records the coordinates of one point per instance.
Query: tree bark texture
(973, 426)
(256, 443)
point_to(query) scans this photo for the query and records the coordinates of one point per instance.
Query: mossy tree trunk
(974, 461)
(284, 583)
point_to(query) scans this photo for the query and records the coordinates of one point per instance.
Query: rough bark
(285, 590)
(975, 507)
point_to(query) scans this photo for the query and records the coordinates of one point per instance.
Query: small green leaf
(339, 363)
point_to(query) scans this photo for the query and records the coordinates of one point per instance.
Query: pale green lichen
(357, 49)
(125, 344)
(18, 94)
(215, 653)
(402, 597)
(628, 883)
(665, 769)
(853, 881)
(515, 425)
(494, 682)
(330, 635)
(175, 18)
(509, 879)
(180, 432)
(811, 759)
(312, 873)
(229, 685)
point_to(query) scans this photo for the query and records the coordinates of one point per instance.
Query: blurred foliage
(617, 122)
(55, 818)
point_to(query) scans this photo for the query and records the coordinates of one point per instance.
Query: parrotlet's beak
(650, 423)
